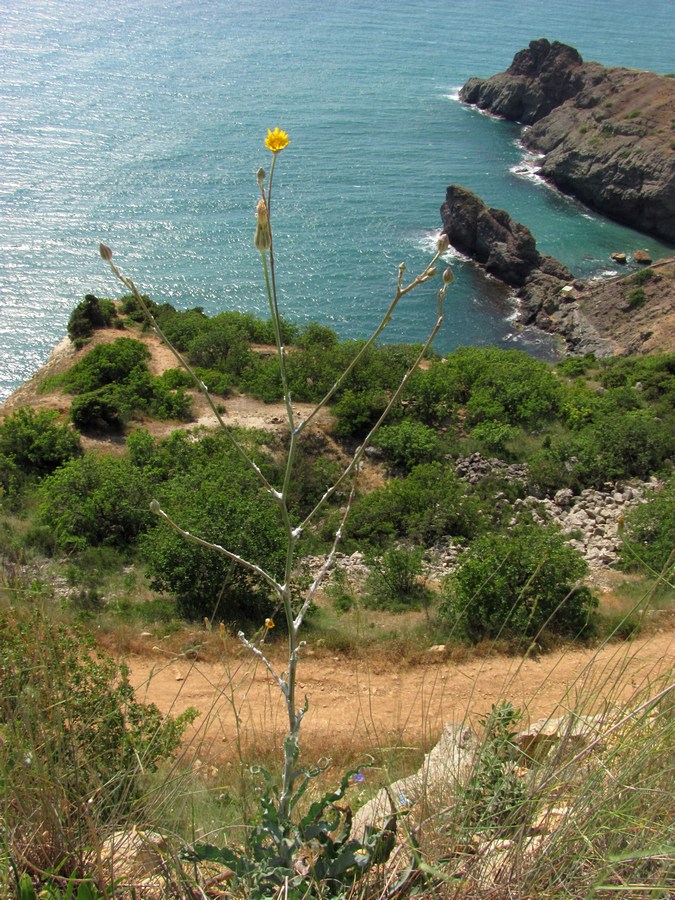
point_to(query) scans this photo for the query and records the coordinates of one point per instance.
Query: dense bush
(621, 444)
(107, 364)
(34, 441)
(428, 504)
(89, 315)
(649, 531)
(509, 387)
(95, 500)
(408, 443)
(218, 499)
(513, 584)
(113, 384)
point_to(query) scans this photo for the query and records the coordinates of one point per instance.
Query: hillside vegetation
(81, 462)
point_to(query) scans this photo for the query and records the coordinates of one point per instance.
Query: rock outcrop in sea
(507, 250)
(605, 133)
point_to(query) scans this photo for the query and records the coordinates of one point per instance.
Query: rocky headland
(606, 134)
(615, 316)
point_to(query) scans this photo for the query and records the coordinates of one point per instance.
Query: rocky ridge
(606, 134)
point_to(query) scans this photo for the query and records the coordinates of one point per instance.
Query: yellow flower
(269, 623)
(276, 140)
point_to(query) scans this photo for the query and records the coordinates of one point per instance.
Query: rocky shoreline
(591, 317)
(606, 134)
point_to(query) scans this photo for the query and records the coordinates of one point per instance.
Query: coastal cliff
(630, 314)
(606, 134)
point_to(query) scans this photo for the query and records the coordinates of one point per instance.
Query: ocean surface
(142, 124)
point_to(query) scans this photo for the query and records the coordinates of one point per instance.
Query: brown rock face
(538, 80)
(606, 133)
(505, 248)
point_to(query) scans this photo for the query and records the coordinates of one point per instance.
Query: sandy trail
(356, 706)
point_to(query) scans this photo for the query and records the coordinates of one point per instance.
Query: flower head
(276, 140)
(358, 777)
(262, 238)
(269, 623)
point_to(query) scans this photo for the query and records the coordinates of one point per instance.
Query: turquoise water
(141, 125)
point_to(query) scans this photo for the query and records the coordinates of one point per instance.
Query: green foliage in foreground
(515, 584)
(75, 741)
(494, 799)
(317, 856)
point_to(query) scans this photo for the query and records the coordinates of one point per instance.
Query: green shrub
(622, 444)
(357, 412)
(132, 308)
(506, 386)
(102, 410)
(93, 501)
(113, 384)
(513, 584)
(574, 366)
(649, 531)
(89, 315)
(394, 582)
(493, 436)
(643, 276)
(219, 501)
(430, 503)
(408, 444)
(35, 443)
(635, 298)
(107, 364)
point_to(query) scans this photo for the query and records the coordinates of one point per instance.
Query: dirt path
(355, 706)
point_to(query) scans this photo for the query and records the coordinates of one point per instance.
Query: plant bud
(448, 277)
(106, 252)
(442, 244)
(261, 175)
(154, 507)
(262, 239)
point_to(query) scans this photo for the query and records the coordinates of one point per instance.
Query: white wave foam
(428, 242)
(530, 165)
(454, 93)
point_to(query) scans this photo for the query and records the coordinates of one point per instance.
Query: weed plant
(310, 851)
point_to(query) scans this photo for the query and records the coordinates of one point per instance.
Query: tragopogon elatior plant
(294, 780)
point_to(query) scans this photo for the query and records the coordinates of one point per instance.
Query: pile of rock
(592, 519)
(475, 468)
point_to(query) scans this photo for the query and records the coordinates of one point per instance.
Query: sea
(141, 124)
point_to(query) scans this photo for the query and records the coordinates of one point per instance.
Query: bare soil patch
(359, 705)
